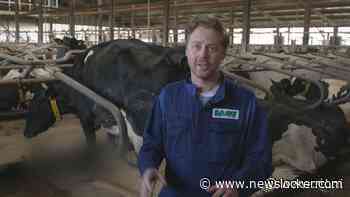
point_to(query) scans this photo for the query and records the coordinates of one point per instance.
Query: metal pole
(51, 36)
(246, 24)
(40, 23)
(335, 31)
(72, 19)
(17, 21)
(288, 35)
(149, 19)
(25, 81)
(175, 24)
(307, 20)
(112, 21)
(100, 21)
(231, 27)
(132, 21)
(166, 23)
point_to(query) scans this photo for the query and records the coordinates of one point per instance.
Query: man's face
(205, 51)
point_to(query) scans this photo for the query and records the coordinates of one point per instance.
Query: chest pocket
(178, 131)
(223, 140)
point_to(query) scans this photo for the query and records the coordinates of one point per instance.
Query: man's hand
(223, 192)
(148, 180)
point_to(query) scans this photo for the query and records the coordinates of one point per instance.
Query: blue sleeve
(152, 152)
(256, 161)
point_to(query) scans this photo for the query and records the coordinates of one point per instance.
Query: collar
(220, 94)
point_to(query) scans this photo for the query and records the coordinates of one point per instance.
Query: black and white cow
(15, 96)
(129, 73)
(305, 142)
(67, 44)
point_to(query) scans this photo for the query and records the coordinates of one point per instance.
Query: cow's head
(44, 109)
(281, 88)
(301, 87)
(330, 139)
(67, 44)
(330, 128)
(71, 43)
(308, 89)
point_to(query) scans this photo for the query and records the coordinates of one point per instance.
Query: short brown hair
(209, 22)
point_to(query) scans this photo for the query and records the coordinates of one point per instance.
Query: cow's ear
(273, 82)
(285, 82)
(58, 41)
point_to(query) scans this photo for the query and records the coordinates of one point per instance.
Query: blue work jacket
(226, 139)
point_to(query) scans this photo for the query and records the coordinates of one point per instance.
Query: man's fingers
(149, 184)
(144, 192)
(212, 189)
(219, 192)
(224, 192)
(229, 193)
(150, 177)
(161, 179)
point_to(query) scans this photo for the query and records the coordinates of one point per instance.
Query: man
(205, 127)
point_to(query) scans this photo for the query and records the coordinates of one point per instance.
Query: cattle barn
(78, 79)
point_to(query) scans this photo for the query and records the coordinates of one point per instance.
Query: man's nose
(204, 52)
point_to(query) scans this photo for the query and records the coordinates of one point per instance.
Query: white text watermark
(273, 183)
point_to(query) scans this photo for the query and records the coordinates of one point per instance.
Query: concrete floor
(57, 164)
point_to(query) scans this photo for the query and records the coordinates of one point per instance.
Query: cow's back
(130, 73)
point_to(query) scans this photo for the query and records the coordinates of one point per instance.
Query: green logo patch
(225, 113)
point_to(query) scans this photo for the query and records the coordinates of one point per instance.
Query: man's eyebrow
(213, 45)
(196, 41)
(200, 42)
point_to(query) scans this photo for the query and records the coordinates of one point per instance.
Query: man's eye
(213, 49)
(197, 46)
